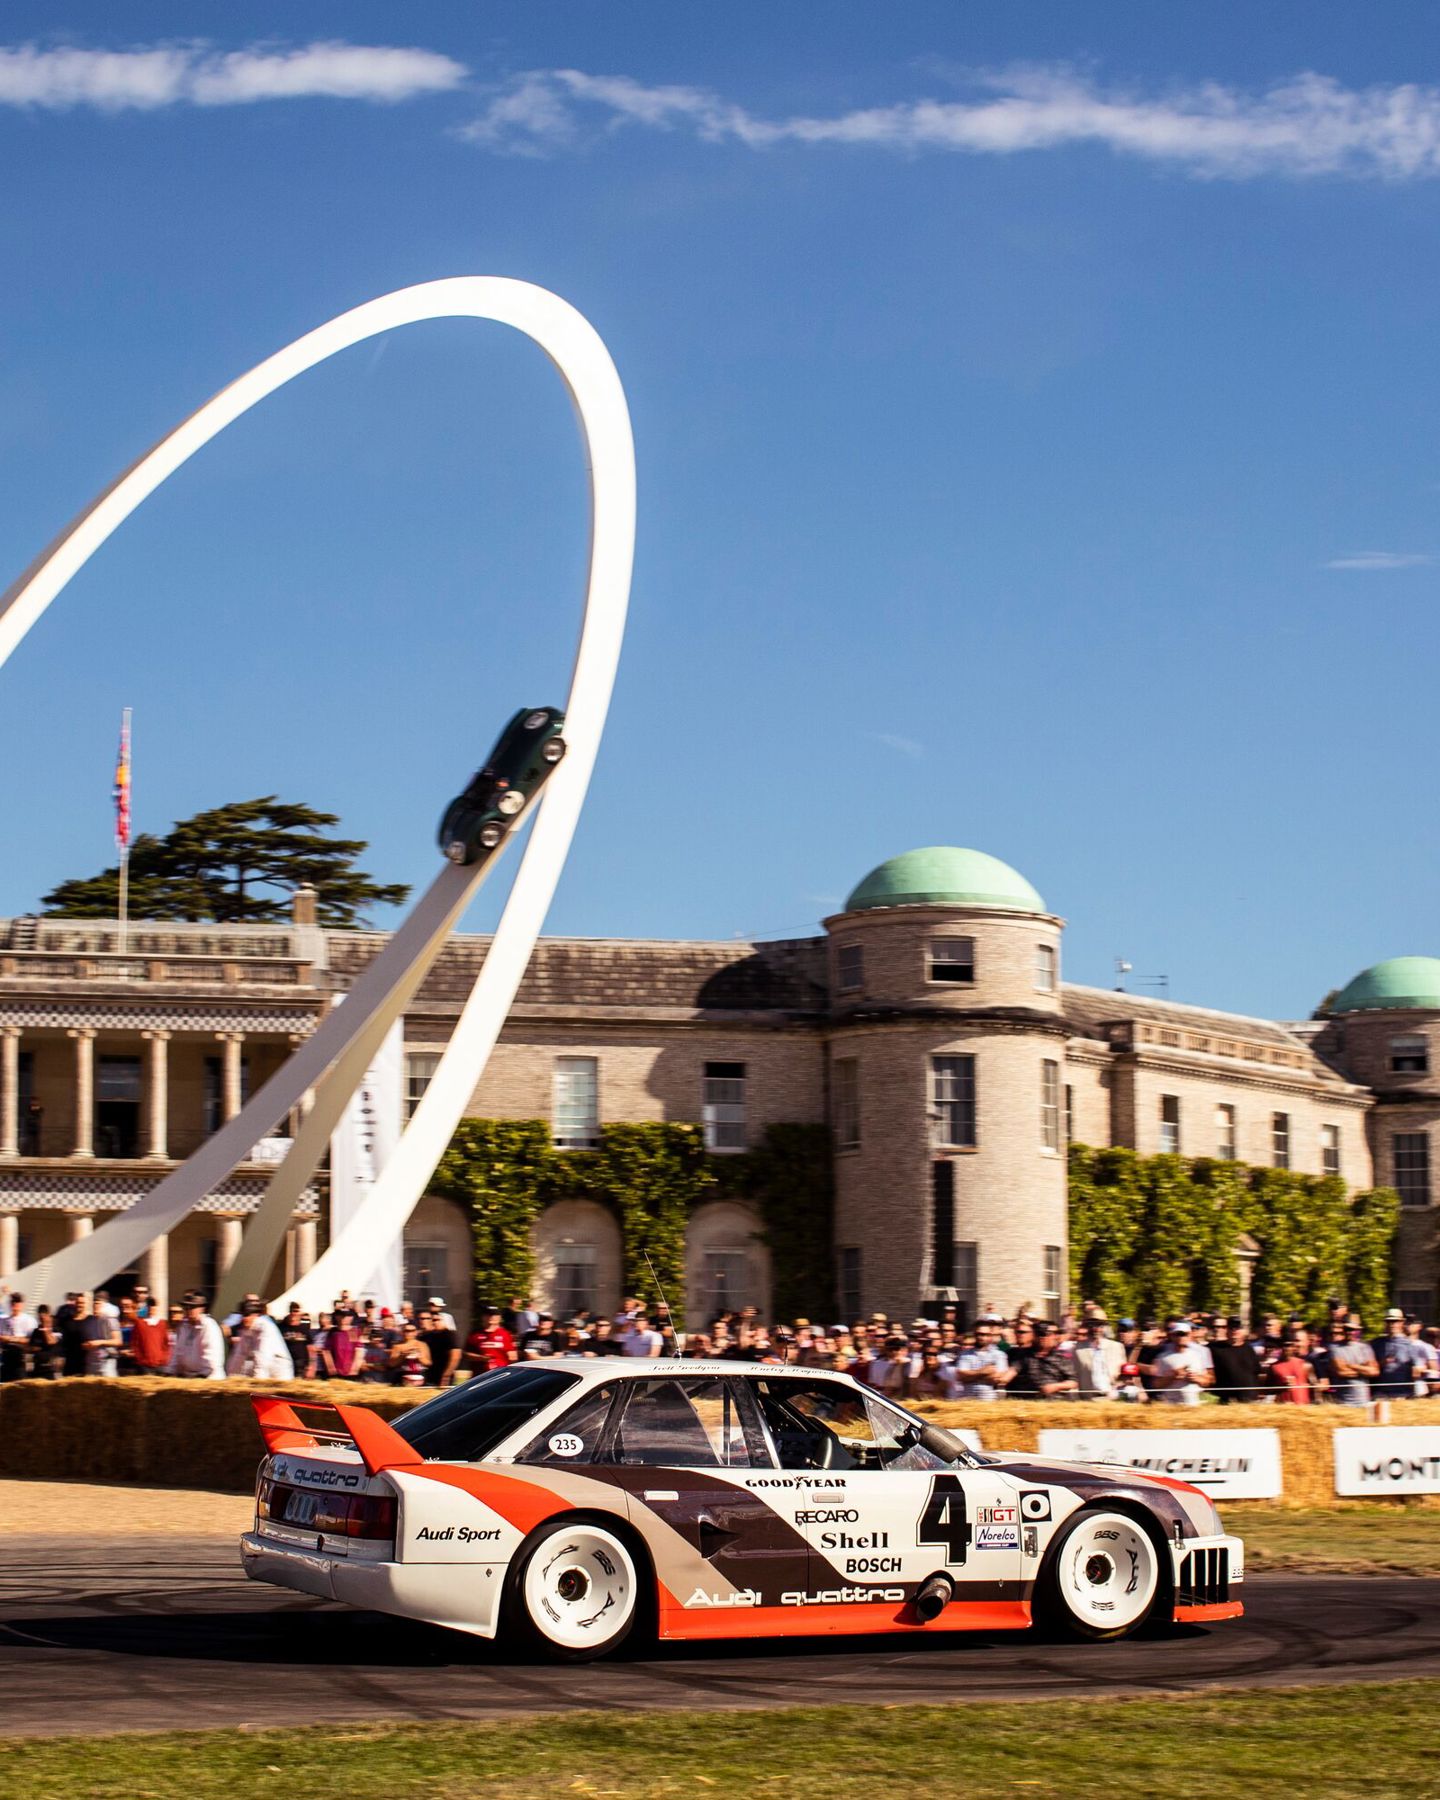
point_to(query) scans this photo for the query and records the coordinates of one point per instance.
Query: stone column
(10, 1090)
(84, 1091)
(155, 1271)
(227, 1245)
(306, 1231)
(157, 1093)
(9, 1245)
(230, 1085)
(81, 1225)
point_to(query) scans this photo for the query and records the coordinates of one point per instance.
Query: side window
(576, 1436)
(684, 1424)
(826, 1425)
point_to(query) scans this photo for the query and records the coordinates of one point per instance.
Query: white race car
(564, 1504)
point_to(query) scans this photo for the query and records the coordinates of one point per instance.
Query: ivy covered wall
(651, 1177)
(1155, 1235)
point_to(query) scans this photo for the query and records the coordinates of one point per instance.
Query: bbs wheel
(575, 1590)
(1102, 1576)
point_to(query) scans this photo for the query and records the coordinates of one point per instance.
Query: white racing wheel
(575, 1591)
(1104, 1575)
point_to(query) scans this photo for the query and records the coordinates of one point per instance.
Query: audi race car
(524, 756)
(561, 1505)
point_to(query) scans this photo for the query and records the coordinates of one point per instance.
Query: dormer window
(1409, 1055)
(952, 959)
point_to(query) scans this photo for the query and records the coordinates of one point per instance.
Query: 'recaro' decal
(829, 1515)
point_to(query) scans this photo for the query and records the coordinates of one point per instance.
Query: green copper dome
(946, 876)
(1403, 981)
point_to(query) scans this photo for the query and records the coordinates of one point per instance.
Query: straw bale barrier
(202, 1434)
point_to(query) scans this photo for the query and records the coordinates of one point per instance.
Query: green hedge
(1155, 1235)
(505, 1172)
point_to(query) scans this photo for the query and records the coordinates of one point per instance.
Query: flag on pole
(122, 785)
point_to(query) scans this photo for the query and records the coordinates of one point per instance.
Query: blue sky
(1035, 411)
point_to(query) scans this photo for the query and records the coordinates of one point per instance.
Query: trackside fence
(201, 1434)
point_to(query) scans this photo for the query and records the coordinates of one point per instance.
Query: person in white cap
(1180, 1369)
(1402, 1359)
(445, 1320)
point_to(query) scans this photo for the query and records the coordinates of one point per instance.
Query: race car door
(689, 1452)
(882, 1513)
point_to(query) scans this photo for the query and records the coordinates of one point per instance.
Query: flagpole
(123, 828)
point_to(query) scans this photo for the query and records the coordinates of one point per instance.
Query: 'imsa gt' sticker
(564, 1443)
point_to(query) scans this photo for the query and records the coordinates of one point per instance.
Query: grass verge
(1387, 1538)
(1322, 1742)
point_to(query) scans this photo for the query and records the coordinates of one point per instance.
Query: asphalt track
(163, 1634)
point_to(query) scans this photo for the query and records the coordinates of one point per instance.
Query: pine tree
(235, 864)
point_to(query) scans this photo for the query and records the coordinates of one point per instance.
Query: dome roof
(946, 876)
(1403, 981)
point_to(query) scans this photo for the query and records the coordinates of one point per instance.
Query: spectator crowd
(1184, 1361)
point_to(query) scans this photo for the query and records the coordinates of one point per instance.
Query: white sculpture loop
(332, 1060)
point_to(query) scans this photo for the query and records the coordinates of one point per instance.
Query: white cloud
(1307, 125)
(1369, 560)
(194, 74)
(903, 746)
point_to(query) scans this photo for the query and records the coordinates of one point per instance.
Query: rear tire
(574, 1591)
(1102, 1576)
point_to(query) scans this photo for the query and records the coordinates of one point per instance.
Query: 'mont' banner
(360, 1146)
(1232, 1465)
(1387, 1459)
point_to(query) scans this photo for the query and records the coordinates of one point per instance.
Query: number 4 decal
(944, 1520)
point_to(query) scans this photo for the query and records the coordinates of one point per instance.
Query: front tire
(1102, 1576)
(574, 1591)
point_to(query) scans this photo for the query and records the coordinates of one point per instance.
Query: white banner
(1231, 1465)
(1387, 1459)
(362, 1144)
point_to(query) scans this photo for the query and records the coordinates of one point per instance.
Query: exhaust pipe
(934, 1597)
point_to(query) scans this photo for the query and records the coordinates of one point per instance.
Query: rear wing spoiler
(349, 1427)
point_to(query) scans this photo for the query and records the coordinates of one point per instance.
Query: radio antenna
(659, 1289)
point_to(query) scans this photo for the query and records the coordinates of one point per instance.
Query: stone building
(928, 1026)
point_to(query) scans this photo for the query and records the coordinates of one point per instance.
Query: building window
(1330, 1149)
(724, 1106)
(1416, 1303)
(845, 1101)
(1049, 1105)
(1226, 1147)
(1410, 1153)
(1054, 1262)
(1044, 968)
(426, 1271)
(577, 1102)
(850, 1284)
(574, 1289)
(952, 1080)
(420, 1067)
(966, 1284)
(213, 1096)
(1280, 1140)
(118, 1090)
(1409, 1055)
(849, 967)
(1169, 1124)
(1069, 1114)
(952, 959)
(942, 1229)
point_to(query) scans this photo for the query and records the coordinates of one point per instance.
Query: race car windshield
(464, 1423)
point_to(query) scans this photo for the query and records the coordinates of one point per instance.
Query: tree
(236, 864)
